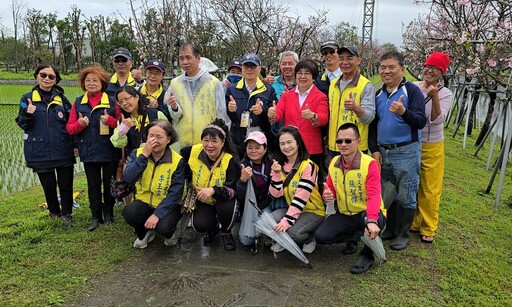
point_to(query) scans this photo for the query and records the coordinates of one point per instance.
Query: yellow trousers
(430, 189)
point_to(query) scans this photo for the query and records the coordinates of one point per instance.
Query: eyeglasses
(45, 75)
(304, 74)
(325, 52)
(120, 60)
(123, 100)
(346, 141)
(431, 68)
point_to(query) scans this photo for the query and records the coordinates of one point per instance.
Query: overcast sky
(388, 21)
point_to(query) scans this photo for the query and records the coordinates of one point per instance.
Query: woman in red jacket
(305, 107)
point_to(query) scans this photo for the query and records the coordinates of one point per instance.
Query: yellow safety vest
(351, 186)
(339, 116)
(315, 204)
(201, 176)
(154, 183)
(198, 111)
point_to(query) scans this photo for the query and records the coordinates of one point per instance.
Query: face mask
(234, 78)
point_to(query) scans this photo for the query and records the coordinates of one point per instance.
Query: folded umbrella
(375, 245)
(266, 224)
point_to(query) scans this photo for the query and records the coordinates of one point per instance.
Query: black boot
(363, 262)
(405, 217)
(108, 214)
(391, 222)
(95, 224)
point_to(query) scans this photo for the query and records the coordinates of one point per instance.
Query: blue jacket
(92, 146)
(388, 128)
(244, 101)
(46, 138)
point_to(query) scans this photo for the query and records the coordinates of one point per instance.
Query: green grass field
(45, 263)
(11, 93)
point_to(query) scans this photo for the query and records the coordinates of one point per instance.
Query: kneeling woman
(294, 176)
(215, 169)
(158, 173)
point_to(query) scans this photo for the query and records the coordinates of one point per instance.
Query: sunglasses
(346, 141)
(49, 76)
(121, 60)
(332, 51)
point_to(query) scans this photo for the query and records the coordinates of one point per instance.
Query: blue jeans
(401, 167)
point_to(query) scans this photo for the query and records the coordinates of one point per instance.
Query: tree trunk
(488, 119)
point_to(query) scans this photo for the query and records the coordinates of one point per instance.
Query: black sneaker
(350, 248)
(68, 220)
(229, 241)
(210, 235)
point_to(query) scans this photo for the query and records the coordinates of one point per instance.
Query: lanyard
(262, 174)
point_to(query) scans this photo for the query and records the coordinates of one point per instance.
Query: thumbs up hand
(137, 73)
(306, 113)
(127, 121)
(30, 108)
(328, 196)
(173, 102)
(257, 108)
(246, 173)
(270, 77)
(397, 107)
(350, 103)
(83, 120)
(271, 113)
(433, 91)
(231, 104)
(104, 117)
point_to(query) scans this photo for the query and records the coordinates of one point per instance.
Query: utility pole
(367, 45)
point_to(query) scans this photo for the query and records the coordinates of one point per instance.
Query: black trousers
(63, 177)
(206, 217)
(137, 212)
(95, 179)
(338, 228)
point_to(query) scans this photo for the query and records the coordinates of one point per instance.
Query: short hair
(191, 46)
(393, 55)
(309, 65)
(166, 126)
(302, 152)
(352, 126)
(99, 71)
(48, 65)
(288, 53)
(143, 102)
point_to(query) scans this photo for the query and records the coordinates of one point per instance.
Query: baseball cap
(351, 49)
(235, 63)
(257, 136)
(251, 58)
(123, 52)
(330, 44)
(155, 64)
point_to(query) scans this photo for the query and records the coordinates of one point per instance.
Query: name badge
(104, 129)
(244, 120)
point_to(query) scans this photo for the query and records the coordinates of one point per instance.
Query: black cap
(121, 52)
(156, 64)
(329, 44)
(251, 58)
(351, 49)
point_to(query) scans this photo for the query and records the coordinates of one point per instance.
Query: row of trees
(223, 29)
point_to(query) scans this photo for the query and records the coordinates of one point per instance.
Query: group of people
(302, 139)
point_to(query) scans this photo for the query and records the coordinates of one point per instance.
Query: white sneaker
(171, 241)
(150, 236)
(308, 248)
(277, 248)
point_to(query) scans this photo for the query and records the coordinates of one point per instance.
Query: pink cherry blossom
(491, 63)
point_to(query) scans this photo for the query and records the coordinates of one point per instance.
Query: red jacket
(288, 109)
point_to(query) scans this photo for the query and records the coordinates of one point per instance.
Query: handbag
(189, 203)
(120, 188)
